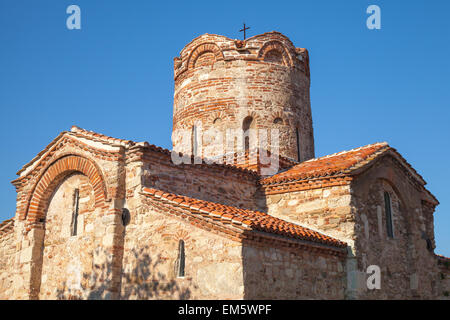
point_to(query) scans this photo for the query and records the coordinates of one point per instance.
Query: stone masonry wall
(7, 255)
(213, 263)
(444, 278)
(280, 273)
(68, 259)
(326, 210)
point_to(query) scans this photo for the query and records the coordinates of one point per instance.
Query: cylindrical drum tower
(259, 86)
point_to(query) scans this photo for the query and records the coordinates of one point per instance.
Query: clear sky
(115, 75)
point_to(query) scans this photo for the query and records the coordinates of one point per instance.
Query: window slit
(388, 211)
(180, 260)
(76, 204)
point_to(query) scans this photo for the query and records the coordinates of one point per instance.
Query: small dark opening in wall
(125, 216)
(76, 206)
(388, 212)
(180, 264)
(429, 244)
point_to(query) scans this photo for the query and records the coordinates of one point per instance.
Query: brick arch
(55, 173)
(188, 123)
(278, 47)
(251, 114)
(405, 209)
(396, 190)
(224, 116)
(204, 48)
(276, 115)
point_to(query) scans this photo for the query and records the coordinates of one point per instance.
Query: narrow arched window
(194, 142)
(297, 137)
(76, 205)
(180, 259)
(388, 212)
(246, 132)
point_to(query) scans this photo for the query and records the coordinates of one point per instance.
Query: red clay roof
(342, 164)
(243, 218)
(334, 164)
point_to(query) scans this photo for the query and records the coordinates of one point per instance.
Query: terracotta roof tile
(248, 219)
(334, 164)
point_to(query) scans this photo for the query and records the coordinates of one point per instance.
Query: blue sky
(115, 75)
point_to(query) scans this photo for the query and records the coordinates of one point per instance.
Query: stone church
(240, 208)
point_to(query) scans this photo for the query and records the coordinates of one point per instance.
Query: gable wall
(408, 269)
(33, 234)
(278, 273)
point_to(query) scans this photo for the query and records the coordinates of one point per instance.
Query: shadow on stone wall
(261, 273)
(141, 282)
(272, 272)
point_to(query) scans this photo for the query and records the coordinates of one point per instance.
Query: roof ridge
(100, 136)
(347, 151)
(369, 158)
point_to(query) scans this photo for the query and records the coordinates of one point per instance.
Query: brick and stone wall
(355, 213)
(221, 83)
(215, 183)
(213, 263)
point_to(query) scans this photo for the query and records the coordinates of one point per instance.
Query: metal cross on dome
(245, 28)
